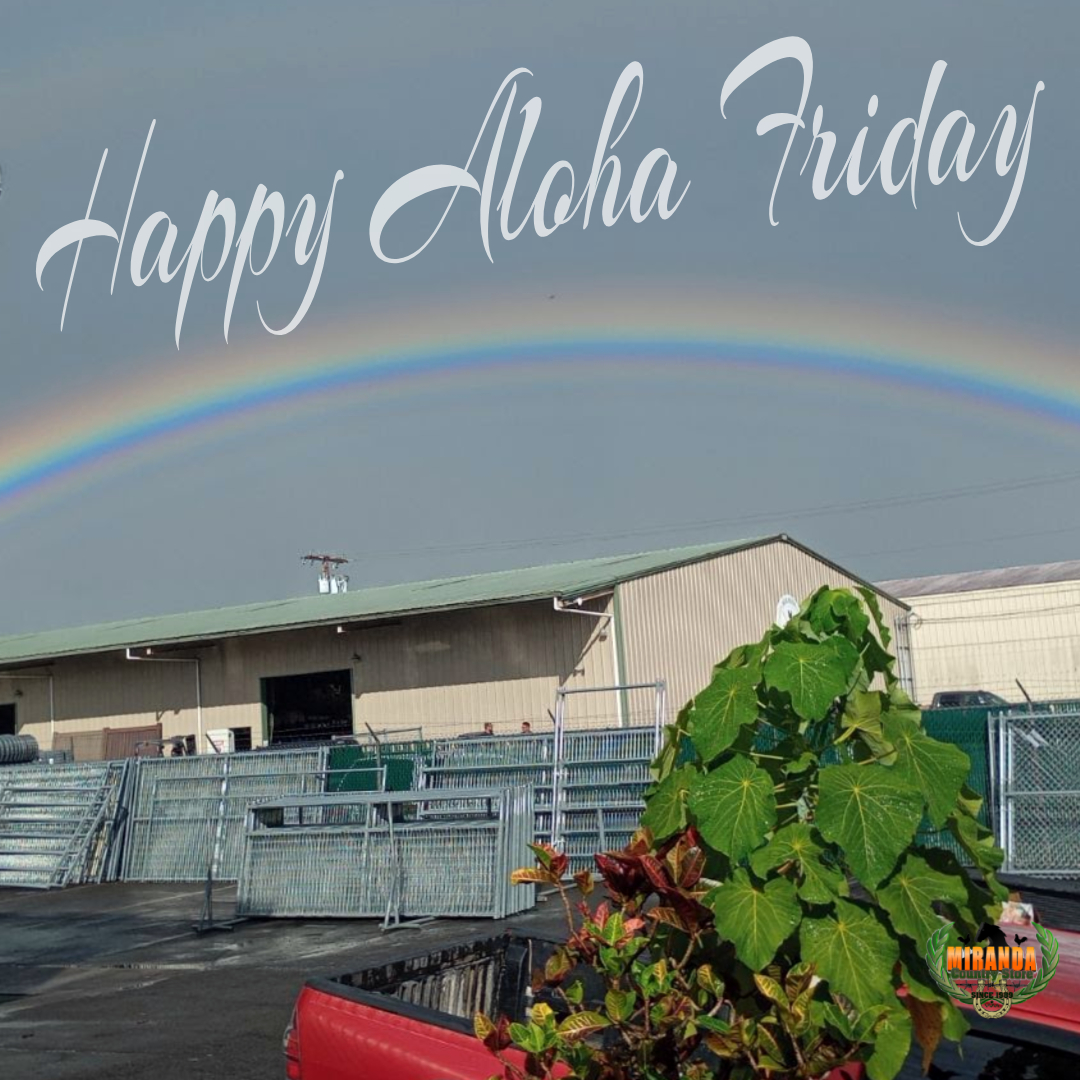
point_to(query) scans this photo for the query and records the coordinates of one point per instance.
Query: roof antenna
(330, 581)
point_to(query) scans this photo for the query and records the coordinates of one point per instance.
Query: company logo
(995, 976)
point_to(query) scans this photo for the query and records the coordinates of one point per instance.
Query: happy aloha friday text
(553, 205)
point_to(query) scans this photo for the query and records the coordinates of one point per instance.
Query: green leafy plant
(776, 898)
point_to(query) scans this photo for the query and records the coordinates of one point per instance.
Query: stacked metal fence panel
(601, 788)
(187, 813)
(495, 761)
(58, 823)
(1035, 770)
(369, 855)
(589, 786)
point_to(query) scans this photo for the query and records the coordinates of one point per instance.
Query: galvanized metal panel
(57, 823)
(187, 814)
(986, 640)
(363, 855)
(677, 624)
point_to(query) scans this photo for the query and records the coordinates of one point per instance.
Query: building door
(308, 708)
(7, 719)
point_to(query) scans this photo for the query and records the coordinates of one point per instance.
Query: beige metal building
(984, 630)
(446, 656)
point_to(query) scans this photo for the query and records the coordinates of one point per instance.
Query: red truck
(411, 1020)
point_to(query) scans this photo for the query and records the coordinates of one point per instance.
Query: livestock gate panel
(600, 777)
(58, 823)
(393, 855)
(187, 814)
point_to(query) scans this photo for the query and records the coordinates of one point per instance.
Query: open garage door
(307, 708)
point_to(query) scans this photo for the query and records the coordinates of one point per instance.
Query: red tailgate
(1057, 1006)
(342, 1039)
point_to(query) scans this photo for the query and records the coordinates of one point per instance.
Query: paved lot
(112, 981)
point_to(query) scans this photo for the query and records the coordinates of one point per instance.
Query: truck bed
(411, 1019)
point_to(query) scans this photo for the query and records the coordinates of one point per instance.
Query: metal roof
(568, 581)
(565, 580)
(977, 580)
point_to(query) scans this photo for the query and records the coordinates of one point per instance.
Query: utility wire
(859, 506)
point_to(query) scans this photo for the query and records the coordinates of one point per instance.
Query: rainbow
(181, 399)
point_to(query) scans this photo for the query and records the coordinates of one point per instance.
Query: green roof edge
(564, 580)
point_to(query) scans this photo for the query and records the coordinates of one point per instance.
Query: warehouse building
(445, 656)
(987, 629)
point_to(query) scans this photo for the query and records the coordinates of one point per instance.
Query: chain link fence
(1035, 768)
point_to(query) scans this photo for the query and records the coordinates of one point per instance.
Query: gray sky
(459, 477)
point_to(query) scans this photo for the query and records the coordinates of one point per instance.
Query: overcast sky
(466, 476)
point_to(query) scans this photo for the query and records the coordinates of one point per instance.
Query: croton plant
(778, 894)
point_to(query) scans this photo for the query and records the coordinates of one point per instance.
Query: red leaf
(622, 874)
(584, 881)
(654, 870)
(693, 868)
(498, 1038)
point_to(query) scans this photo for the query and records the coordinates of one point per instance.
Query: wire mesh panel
(58, 823)
(361, 855)
(187, 813)
(601, 775)
(495, 761)
(1037, 773)
(602, 772)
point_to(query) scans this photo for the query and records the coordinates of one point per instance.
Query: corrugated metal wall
(986, 640)
(447, 673)
(677, 624)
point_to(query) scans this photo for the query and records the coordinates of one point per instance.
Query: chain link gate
(1035, 780)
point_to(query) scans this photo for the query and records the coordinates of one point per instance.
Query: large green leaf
(910, 894)
(853, 952)
(954, 1025)
(938, 769)
(734, 807)
(832, 610)
(666, 760)
(915, 974)
(871, 813)
(755, 918)
(892, 1042)
(796, 843)
(722, 708)
(863, 714)
(979, 905)
(871, 601)
(813, 675)
(745, 655)
(665, 805)
(977, 841)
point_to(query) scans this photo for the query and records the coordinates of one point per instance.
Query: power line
(859, 506)
(960, 543)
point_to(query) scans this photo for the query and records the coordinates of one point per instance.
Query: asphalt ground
(112, 981)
